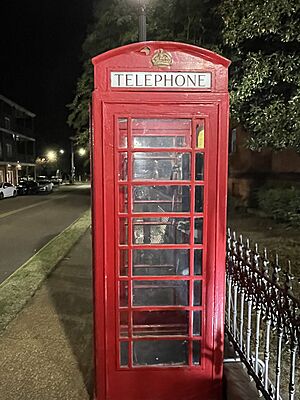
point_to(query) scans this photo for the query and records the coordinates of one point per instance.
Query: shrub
(282, 204)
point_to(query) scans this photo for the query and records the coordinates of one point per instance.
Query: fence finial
(265, 263)
(288, 285)
(276, 270)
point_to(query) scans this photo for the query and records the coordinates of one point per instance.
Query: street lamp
(61, 151)
(142, 21)
(51, 156)
(82, 152)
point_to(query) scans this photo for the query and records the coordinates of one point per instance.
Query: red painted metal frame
(188, 382)
(130, 184)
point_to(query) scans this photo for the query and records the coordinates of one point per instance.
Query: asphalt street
(27, 223)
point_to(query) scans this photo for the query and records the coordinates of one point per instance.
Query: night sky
(40, 61)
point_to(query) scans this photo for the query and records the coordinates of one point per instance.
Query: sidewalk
(46, 352)
(237, 383)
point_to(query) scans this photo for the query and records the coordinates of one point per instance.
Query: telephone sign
(177, 80)
(160, 123)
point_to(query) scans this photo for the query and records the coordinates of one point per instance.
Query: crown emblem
(162, 58)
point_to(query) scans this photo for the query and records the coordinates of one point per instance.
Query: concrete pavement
(46, 352)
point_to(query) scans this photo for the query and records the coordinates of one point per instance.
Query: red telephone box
(160, 115)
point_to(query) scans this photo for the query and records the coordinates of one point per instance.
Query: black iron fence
(262, 318)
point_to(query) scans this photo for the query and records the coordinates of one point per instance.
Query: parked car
(27, 187)
(56, 180)
(45, 186)
(7, 190)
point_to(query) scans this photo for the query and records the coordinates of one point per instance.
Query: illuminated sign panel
(159, 80)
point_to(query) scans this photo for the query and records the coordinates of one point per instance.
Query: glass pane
(161, 230)
(123, 199)
(160, 352)
(123, 262)
(198, 262)
(124, 324)
(123, 167)
(123, 293)
(160, 141)
(160, 293)
(199, 167)
(197, 293)
(161, 262)
(200, 135)
(161, 166)
(161, 133)
(196, 352)
(198, 239)
(123, 132)
(197, 323)
(199, 190)
(160, 323)
(123, 231)
(161, 198)
(124, 354)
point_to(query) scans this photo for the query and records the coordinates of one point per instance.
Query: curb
(19, 287)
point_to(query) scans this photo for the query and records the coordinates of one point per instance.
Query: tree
(189, 21)
(116, 24)
(263, 40)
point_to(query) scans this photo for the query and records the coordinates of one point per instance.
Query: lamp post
(142, 21)
(54, 158)
(81, 153)
(72, 138)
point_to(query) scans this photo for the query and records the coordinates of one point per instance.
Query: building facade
(249, 170)
(17, 142)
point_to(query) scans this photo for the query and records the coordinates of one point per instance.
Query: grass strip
(18, 288)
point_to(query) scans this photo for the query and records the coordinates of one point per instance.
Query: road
(27, 223)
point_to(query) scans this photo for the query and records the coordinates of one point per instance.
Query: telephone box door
(160, 177)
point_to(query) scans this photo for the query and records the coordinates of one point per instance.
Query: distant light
(61, 151)
(82, 152)
(51, 155)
